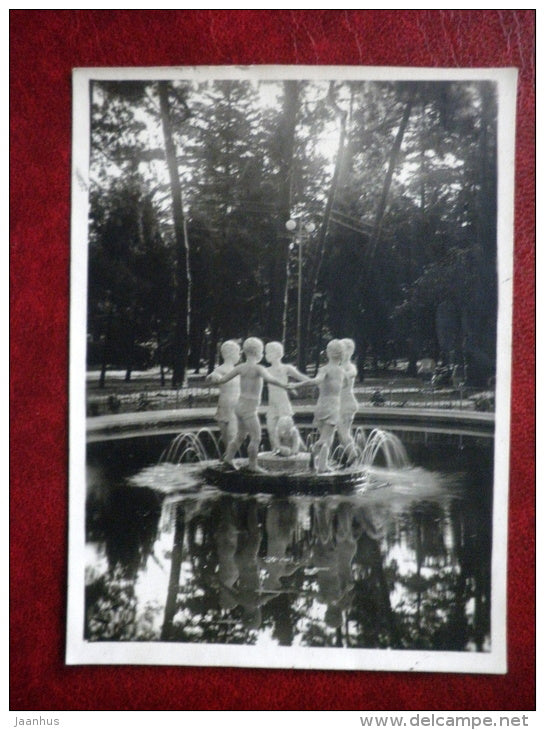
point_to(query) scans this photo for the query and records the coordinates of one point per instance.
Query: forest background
(192, 184)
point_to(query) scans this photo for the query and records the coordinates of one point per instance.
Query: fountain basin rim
(244, 481)
(155, 423)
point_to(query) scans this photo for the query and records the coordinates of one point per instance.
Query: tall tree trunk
(480, 307)
(319, 333)
(183, 278)
(213, 347)
(279, 281)
(174, 577)
(106, 348)
(160, 357)
(317, 262)
(131, 345)
(486, 211)
(196, 349)
(394, 155)
(360, 361)
(196, 334)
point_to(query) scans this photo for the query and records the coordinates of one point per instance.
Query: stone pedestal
(284, 464)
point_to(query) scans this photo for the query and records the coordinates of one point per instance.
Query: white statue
(279, 402)
(287, 437)
(229, 392)
(349, 404)
(252, 375)
(330, 380)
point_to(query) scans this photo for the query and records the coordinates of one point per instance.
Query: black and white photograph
(290, 347)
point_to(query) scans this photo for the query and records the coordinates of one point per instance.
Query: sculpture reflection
(395, 568)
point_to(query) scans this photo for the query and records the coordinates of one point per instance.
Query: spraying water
(190, 447)
(391, 447)
(203, 445)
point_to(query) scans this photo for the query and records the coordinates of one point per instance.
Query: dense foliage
(191, 187)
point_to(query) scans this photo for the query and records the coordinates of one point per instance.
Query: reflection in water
(406, 566)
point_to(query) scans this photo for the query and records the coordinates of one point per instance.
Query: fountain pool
(401, 560)
(279, 474)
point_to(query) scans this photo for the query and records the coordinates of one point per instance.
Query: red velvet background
(45, 45)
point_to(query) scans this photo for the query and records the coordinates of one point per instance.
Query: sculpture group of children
(241, 387)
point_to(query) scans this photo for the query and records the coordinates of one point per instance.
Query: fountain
(223, 541)
(289, 466)
(200, 451)
(190, 447)
(395, 456)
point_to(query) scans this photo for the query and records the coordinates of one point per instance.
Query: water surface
(406, 565)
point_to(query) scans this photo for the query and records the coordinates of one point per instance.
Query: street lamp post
(297, 225)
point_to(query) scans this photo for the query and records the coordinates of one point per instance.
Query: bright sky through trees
(398, 179)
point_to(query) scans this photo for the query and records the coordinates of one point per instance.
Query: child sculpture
(252, 376)
(349, 404)
(229, 392)
(287, 437)
(330, 380)
(279, 402)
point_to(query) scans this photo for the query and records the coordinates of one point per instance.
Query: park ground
(144, 392)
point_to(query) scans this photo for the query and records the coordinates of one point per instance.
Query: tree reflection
(385, 570)
(125, 520)
(125, 527)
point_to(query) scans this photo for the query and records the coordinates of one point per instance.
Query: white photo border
(79, 651)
